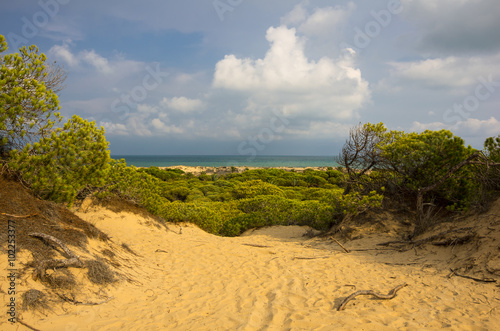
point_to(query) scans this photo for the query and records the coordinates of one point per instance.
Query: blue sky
(259, 77)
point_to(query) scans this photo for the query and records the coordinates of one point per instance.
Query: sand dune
(268, 279)
(226, 170)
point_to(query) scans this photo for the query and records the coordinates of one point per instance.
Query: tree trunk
(419, 225)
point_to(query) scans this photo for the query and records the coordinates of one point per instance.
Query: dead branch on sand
(455, 241)
(72, 260)
(416, 243)
(20, 321)
(257, 245)
(390, 295)
(345, 249)
(75, 302)
(483, 280)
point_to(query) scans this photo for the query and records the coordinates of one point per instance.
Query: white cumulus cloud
(286, 78)
(74, 60)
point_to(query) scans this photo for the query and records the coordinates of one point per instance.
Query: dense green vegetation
(71, 161)
(230, 204)
(432, 167)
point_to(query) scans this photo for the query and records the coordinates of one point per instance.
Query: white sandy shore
(268, 279)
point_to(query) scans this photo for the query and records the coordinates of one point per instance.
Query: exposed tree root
(72, 260)
(20, 321)
(390, 295)
(483, 280)
(455, 241)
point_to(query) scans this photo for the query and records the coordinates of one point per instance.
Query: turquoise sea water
(226, 161)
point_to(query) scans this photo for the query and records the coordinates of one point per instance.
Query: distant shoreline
(198, 170)
(259, 161)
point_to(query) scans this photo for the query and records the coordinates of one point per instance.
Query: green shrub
(492, 148)
(58, 167)
(196, 195)
(293, 193)
(180, 193)
(253, 188)
(209, 216)
(335, 177)
(131, 184)
(275, 210)
(316, 181)
(418, 160)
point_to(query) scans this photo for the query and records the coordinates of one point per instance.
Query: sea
(227, 161)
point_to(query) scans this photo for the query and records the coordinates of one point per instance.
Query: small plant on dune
(99, 273)
(34, 300)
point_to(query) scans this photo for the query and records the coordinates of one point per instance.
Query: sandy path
(197, 281)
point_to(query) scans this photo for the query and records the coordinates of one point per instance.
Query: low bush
(253, 188)
(276, 210)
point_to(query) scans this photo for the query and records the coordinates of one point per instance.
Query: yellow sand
(186, 279)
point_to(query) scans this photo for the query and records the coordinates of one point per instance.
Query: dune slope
(270, 279)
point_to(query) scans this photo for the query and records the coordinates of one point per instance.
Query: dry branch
(390, 295)
(371, 249)
(484, 280)
(345, 249)
(20, 321)
(455, 241)
(72, 260)
(19, 216)
(257, 245)
(424, 240)
(75, 302)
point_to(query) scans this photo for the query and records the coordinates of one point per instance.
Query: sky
(267, 77)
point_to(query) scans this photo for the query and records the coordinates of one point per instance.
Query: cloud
(63, 52)
(114, 128)
(489, 127)
(137, 126)
(450, 26)
(325, 22)
(75, 60)
(97, 61)
(453, 72)
(297, 15)
(287, 79)
(471, 127)
(147, 109)
(182, 104)
(160, 126)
